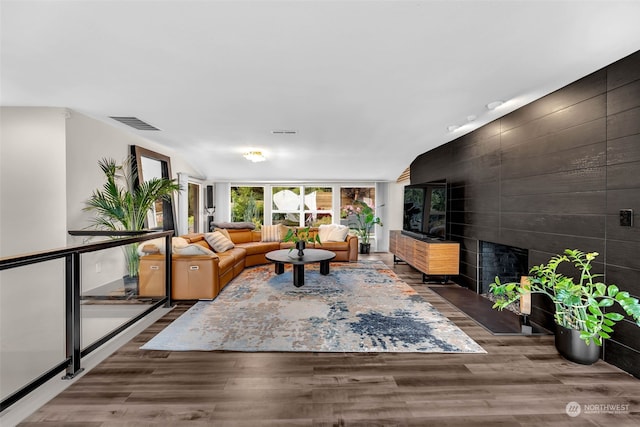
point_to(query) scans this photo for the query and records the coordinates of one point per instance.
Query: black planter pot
(130, 285)
(300, 245)
(572, 348)
(365, 248)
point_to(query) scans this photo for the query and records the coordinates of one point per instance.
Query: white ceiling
(367, 85)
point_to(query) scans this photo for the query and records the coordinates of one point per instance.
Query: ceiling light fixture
(451, 128)
(493, 105)
(254, 156)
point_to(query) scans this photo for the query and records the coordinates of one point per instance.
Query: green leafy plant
(296, 235)
(579, 304)
(365, 219)
(119, 205)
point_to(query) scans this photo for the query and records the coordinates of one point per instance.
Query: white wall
(32, 180)
(395, 208)
(32, 218)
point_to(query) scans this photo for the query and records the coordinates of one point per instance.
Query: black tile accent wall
(554, 175)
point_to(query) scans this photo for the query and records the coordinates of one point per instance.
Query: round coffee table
(285, 256)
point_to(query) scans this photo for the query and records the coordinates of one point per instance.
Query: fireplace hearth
(509, 263)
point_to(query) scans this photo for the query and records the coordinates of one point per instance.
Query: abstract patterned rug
(358, 307)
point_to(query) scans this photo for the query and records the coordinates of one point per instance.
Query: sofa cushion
(243, 235)
(333, 246)
(218, 241)
(193, 249)
(226, 262)
(271, 233)
(259, 247)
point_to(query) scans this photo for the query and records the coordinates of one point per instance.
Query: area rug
(358, 307)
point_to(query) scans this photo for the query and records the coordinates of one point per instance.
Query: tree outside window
(193, 209)
(247, 204)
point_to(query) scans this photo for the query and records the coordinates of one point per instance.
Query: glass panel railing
(32, 327)
(58, 305)
(111, 296)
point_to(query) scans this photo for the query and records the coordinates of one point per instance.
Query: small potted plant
(581, 317)
(365, 219)
(300, 237)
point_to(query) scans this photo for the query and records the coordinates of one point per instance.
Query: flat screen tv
(425, 210)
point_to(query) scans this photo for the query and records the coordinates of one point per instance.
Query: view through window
(294, 205)
(353, 196)
(193, 209)
(313, 204)
(247, 205)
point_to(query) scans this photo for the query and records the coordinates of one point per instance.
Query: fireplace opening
(509, 263)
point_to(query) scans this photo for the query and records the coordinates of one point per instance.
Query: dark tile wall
(554, 175)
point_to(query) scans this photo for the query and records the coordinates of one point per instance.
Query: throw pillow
(148, 249)
(333, 232)
(338, 233)
(324, 231)
(224, 231)
(155, 246)
(193, 249)
(218, 242)
(270, 233)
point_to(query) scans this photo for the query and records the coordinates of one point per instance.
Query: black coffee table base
(298, 271)
(281, 257)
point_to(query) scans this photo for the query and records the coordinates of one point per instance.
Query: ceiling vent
(284, 132)
(135, 123)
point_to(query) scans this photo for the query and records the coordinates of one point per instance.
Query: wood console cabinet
(431, 257)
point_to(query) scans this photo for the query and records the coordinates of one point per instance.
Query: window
(355, 195)
(247, 204)
(313, 204)
(193, 209)
(285, 207)
(318, 206)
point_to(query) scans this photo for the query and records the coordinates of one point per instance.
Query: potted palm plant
(365, 219)
(581, 314)
(120, 205)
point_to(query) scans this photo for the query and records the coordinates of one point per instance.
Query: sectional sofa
(204, 263)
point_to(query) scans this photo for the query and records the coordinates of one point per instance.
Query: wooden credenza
(431, 257)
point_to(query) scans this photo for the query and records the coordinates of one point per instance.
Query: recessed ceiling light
(254, 156)
(451, 128)
(471, 117)
(495, 104)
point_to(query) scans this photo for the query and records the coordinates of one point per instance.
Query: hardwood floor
(521, 381)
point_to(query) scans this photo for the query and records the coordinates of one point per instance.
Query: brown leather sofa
(204, 276)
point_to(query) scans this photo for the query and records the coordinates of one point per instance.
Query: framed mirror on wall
(150, 164)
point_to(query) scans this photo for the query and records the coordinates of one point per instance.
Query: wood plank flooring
(521, 381)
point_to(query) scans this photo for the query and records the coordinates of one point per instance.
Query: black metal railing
(73, 285)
